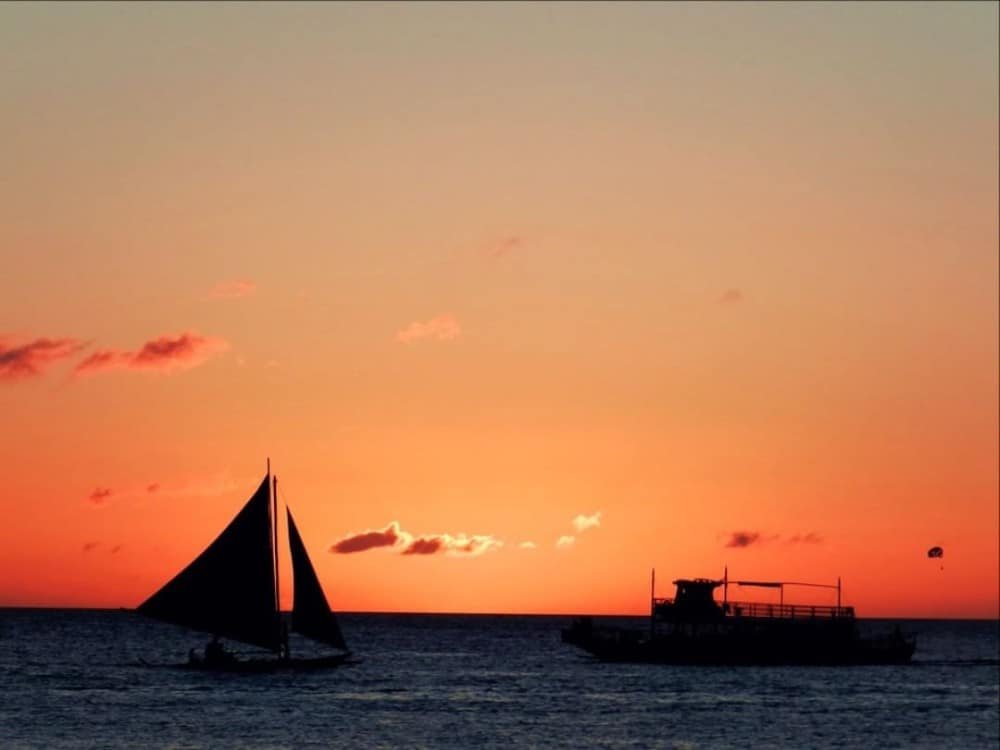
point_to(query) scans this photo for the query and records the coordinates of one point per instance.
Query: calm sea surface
(77, 679)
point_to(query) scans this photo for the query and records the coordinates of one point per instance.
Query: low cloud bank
(393, 536)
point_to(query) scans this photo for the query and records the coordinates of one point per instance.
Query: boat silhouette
(231, 591)
(694, 628)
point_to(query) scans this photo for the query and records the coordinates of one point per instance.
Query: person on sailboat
(215, 652)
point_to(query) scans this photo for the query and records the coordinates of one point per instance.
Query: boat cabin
(693, 601)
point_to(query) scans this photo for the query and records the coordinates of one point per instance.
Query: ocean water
(99, 679)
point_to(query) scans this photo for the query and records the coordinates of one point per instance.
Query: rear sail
(228, 590)
(311, 615)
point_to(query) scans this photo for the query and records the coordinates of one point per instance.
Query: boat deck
(763, 610)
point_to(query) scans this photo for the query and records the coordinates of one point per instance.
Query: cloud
(743, 538)
(810, 538)
(33, 358)
(528, 545)
(90, 546)
(424, 546)
(100, 496)
(116, 549)
(390, 536)
(204, 486)
(581, 523)
(232, 289)
(408, 544)
(505, 246)
(102, 360)
(442, 328)
(454, 545)
(564, 542)
(731, 297)
(164, 354)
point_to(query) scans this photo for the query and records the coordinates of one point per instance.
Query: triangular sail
(311, 615)
(228, 590)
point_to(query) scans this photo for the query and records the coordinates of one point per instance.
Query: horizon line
(133, 610)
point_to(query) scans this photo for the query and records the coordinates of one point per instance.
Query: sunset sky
(521, 300)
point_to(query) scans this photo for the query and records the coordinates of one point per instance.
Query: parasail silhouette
(936, 552)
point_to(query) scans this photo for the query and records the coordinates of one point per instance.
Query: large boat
(231, 591)
(694, 628)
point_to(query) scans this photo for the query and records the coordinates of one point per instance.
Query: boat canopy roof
(761, 584)
(697, 582)
(779, 584)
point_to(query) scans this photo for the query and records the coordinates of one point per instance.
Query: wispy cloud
(740, 539)
(809, 538)
(209, 485)
(100, 496)
(528, 545)
(441, 328)
(31, 359)
(456, 545)
(581, 523)
(90, 546)
(163, 354)
(232, 289)
(505, 246)
(423, 546)
(116, 549)
(390, 536)
(731, 297)
(393, 536)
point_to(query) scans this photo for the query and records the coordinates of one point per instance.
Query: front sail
(229, 588)
(311, 615)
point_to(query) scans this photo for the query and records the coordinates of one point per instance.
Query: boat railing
(776, 611)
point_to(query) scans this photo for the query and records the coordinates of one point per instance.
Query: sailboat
(231, 591)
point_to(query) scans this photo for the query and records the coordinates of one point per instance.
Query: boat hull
(765, 646)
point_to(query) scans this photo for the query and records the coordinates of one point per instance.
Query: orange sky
(481, 270)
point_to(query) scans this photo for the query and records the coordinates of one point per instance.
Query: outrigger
(694, 628)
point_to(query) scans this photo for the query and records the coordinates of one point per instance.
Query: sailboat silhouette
(231, 591)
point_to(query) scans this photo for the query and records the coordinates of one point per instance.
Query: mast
(277, 588)
(652, 603)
